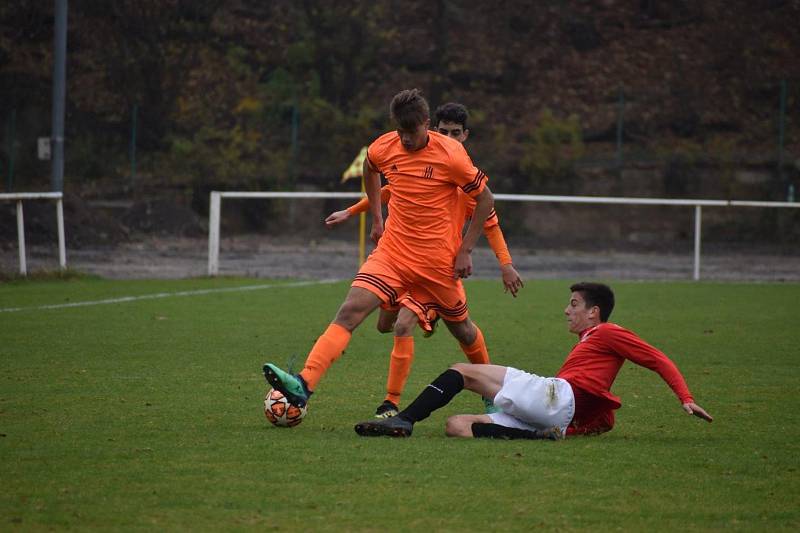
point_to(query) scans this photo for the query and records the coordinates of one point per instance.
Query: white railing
(19, 198)
(215, 210)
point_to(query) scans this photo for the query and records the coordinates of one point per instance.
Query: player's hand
(511, 280)
(692, 408)
(377, 230)
(462, 268)
(337, 217)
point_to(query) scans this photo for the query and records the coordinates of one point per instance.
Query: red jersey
(425, 217)
(594, 362)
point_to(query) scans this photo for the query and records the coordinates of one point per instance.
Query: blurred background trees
(179, 97)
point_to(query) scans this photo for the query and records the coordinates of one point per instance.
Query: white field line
(198, 292)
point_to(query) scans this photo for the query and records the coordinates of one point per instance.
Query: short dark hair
(409, 109)
(451, 112)
(596, 294)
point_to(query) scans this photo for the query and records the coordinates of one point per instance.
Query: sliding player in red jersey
(449, 119)
(578, 401)
(420, 256)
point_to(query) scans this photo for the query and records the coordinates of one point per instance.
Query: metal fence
(215, 212)
(19, 198)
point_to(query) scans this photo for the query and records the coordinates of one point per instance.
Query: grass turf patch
(148, 414)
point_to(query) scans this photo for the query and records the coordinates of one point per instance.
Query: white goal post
(19, 198)
(215, 210)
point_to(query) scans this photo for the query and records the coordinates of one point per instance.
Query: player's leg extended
(358, 304)
(400, 362)
(470, 338)
(448, 298)
(483, 379)
(450, 302)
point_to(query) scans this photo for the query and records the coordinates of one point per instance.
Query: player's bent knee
(458, 426)
(464, 331)
(468, 371)
(404, 328)
(464, 370)
(350, 315)
(384, 327)
(461, 368)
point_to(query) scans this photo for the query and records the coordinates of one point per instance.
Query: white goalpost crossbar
(215, 211)
(19, 198)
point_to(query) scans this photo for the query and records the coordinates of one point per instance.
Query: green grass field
(147, 415)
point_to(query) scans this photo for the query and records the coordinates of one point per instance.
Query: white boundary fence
(215, 210)
(19, 198)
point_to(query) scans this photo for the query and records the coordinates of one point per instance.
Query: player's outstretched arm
(362, 206)
(337, 217)
(692, 408)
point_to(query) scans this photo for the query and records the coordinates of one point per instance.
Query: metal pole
(59, 93)
(62, 249)
(134, 113)
(213, 233)
(698, 217)
(23, 267)
(620, 123)
(781, 129)
(294, 135)
(12, 141)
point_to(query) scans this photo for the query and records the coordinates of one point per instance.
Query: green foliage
(189, 65)
(90, 159)
(551, 153)
(722, 152)
(233, 156)
(237, 61)
(148, 414)
(679, 173)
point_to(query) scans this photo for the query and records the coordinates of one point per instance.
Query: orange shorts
(426, 291)
(426, 324)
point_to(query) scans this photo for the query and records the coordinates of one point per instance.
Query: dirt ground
(260, 257)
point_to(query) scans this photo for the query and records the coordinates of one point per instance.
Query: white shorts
(528, 401)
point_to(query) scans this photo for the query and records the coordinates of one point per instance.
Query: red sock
(477, 352)
(399, 368)
(326, 350)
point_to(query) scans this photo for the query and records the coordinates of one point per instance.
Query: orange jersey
(362, 206)
(425, 215)
(491, 227)
(469, 207)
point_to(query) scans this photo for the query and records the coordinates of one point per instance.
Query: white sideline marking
(157, 295)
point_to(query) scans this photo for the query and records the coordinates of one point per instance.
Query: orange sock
(477, 352)
(326, 350)
(399, 368)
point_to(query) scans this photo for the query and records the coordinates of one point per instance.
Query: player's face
(453, 129)
(414, 139)
(579, 317)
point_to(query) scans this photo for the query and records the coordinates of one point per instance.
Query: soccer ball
(280, 412)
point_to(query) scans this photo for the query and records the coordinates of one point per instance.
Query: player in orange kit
(420, 256)
(449, 119)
